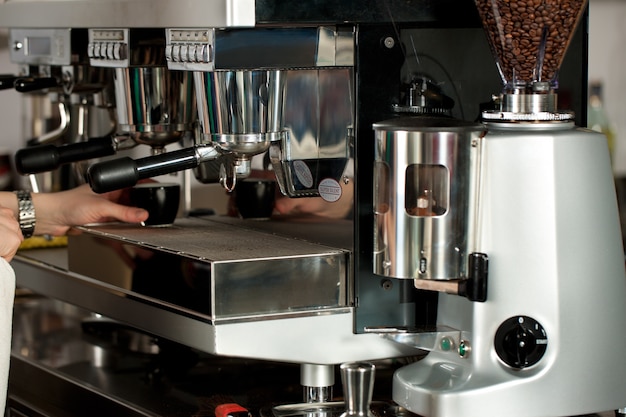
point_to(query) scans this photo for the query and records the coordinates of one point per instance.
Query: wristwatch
(26, 211)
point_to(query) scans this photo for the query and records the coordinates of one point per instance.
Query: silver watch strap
(26, 211)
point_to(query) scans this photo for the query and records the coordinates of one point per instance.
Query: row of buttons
(108, 50)
(195, 53)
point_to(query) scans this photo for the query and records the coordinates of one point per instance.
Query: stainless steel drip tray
(223, 239)
(216, 269)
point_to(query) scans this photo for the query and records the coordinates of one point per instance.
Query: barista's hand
(57, 212)
(10, 234)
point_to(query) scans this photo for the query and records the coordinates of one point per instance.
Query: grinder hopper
(529, 38)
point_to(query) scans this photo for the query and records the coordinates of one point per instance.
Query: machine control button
(204, 54)
(109, 50)
(176, 53)
(184, 50)
(117, 51)
(192, 53)
(96, 50)
(520, 342)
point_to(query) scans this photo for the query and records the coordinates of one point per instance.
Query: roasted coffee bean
(520, 31)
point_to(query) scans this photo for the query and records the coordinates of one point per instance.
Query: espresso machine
(149, 104)
(317, 86)
(69, 101)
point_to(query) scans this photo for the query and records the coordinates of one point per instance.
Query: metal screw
(389, 42)
(386, 284)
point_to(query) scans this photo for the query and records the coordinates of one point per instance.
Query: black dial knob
(520, 341)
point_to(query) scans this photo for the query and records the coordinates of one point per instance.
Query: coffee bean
(515, 29)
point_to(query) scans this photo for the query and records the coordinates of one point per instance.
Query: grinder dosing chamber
(424, 193)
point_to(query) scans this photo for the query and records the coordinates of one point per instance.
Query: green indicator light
(464, 349)
(446, 344)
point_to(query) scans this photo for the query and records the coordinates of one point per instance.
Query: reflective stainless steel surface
(240, 112)
(211, 49)
(424, 190)
(154, 106)
(273, 290)
(215, 285)
(218, 270)
(240, 103)
(62, 367)
(318, 141)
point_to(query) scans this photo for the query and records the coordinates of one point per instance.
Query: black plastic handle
(43, 158)
(125, 172)
(7, 81)
(28, 84)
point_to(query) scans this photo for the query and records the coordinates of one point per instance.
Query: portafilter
(153, 106)
(240, 114)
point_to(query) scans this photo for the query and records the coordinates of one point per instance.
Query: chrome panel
(155, 106)
(235, 106)
(318, 142)
(302, 336)
(217, 270)
(212, 49)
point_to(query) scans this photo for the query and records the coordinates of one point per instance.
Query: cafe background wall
(607, 64)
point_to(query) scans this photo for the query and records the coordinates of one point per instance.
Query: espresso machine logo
(330, 190)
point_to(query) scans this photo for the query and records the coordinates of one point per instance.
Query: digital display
(38, 46)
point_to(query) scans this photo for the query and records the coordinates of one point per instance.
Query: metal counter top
(64, 367)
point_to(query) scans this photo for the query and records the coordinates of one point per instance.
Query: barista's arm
(10, 234)
(55, 213)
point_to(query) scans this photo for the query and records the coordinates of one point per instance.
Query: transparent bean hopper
(546, 339)
(529, 44)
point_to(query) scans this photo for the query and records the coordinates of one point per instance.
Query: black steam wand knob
(7, 81)
(43, 158)
(28, 84)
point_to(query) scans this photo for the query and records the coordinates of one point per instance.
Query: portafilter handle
(7, 81)
(28, 84)
(358, 385)
(125, 172)
(43, 158)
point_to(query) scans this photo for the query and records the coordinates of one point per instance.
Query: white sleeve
(7, 294)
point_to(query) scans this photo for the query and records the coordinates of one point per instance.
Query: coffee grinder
(540, 330)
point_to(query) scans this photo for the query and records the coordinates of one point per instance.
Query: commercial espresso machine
(463, 239)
